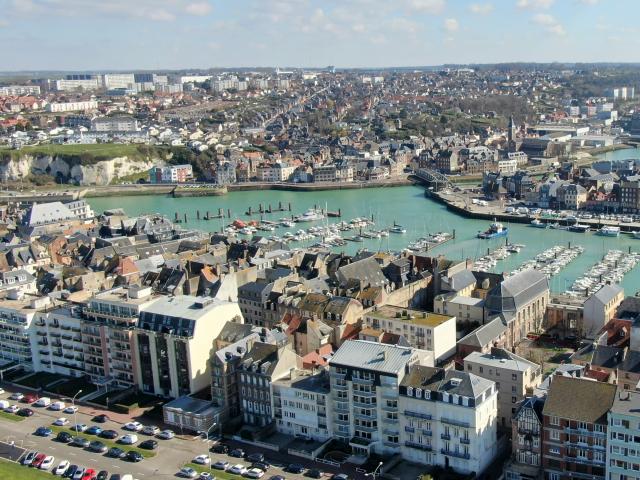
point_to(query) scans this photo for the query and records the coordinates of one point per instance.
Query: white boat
(310, 215)
(538, 224)
(398, 229)
(609, 231)
(636, 235)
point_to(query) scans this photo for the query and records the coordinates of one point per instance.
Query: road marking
(116, 466)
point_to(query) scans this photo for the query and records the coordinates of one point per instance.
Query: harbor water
(405, 206)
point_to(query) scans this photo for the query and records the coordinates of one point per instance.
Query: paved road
(170, 456)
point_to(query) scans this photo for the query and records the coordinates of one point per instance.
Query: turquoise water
(406, 206)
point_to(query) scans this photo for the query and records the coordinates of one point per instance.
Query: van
(4, 404)
(43, 402)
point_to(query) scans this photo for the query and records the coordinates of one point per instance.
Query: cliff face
(69, 171)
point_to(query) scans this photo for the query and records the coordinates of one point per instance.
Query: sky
(174, 34)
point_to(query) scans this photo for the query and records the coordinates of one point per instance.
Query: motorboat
(609, 231)
(496, 229)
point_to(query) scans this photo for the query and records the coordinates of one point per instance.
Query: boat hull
(489, 235)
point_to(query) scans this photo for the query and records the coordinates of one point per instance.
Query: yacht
(310, 215)
(398, 229)
(496, 229)
(538, 224)
(578, 227)
(609, 231)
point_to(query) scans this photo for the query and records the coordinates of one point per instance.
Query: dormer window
(410, 391)
(418, 393)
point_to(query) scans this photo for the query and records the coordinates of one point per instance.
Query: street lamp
(207, 433)
(375, 473)
(75, 411)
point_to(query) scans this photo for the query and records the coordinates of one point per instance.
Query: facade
(171, 174)
(623, 451)
(19, 90)
(630, 194)
(63, 350)
(75, 84)
(118, 80)
(526, 442)
(81, 209)
(514, 376)
(115, 124)
(507, 165)
(174, 338)
(16, 339)
(72, 106)
(276, 172)
(424, 330)
(599, 308)
(301, 403)
(448, 418)
(574, 441)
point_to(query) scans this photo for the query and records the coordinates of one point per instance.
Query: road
(171, 455)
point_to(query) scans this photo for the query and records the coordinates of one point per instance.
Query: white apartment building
(81, 209)
(623, 451)
(507, 165)
(276, 172)
(300, 405)
(16, 340)
(424, 330)
(364, 394)
(72, 106)
(118, 80)
(515, 378)
(115, 124)
(448, 418)
(17, 90)
(71, 85)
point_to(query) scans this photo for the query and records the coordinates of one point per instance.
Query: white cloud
(451, 25)
(481, 8)
(198, 8)
(401, 24)
(535, 4)
(427, 6)
(550, 23)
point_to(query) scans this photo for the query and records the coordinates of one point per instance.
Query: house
(599, 308)
(526, 441)
(623, 431)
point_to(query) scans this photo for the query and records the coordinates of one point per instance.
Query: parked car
(254, 473)
(201, 459)
(221, 465)
(12, 409)
(314, 473)
(29, 457)
(64, 437)
(62, 468)
(237, 453)
(340, 476)
(102, 418)
(47, 463)
(61, 422)
(79, 473)
(188, 472)
(133, 426)
(71, 409)
(166, 434)
(93, 430)
(56, 406)
(295, 468)
(97, 447)
(71, 471)
(261, 465)
(206, 476)
(256, 457)
(149, 444)
(29, 398)
(116, 452)
(43, 431)
(38, 459)
(89, 474)
(109, 434)
(277, 477)
(25, 412)
(80, 442)
(150, 430)
(43, 402)
(79, 428)
(220, 448)
(16, 396)
(133, 456)
(4, 404)
(102, 475)
(128, 439)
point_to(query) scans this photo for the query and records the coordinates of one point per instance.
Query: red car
(89, 474)
(38, 460)
(30, 398)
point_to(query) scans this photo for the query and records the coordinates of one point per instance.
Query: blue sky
(166, 34)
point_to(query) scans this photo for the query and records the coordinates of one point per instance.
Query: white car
(62, 468)
(205, 476)
(61, 422)
(16, 396)
(57, 406)
(43, 402)
(47, 463)
(202, 460)
(254, 473)
(12, 409)
(1, 391)
(150, 430)
(71, 409)
(166, 434)
(133, 426)
(188, 472)
(128, 439)
(238, 469)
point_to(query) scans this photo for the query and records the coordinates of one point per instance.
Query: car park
(47, 463)
(221, 465)
(150, 430)
(61, 422)
(254, 473)
(43, 402)
(115, 452)
(64, 437)
(79, 474)
(166, 434)
(187, 472)
(29, 457)
(43, 431)
(109, 434)
(201, 459)
(102, 418)
(17, 396)
(93, 430)
(133, 456)
(128, 439)
(237, 469)
(149, 444)
(62, 468)
(97, 447)
(80, 442)
(71, 409)
(256, 457)
(25, 412)
(133, 426)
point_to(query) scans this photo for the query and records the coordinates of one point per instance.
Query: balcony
(465, 441)
(424, 416)
(340, 421)
(586, 433)
(366, 416)
(361, 381)
(445, 436)
(389, 408)
(360, 442)
(341, 376)
(456, 454)
(409, 429)
(364, 405)
(337, 386)
(418, 446)
(528, 431)
(457, 423)
(427, 433)
(365, 394)
(365, 428)
(341, 407)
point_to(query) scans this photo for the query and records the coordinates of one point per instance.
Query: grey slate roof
(484, 334)
(372, 356)
(516, 291)
(45, 213)
(367, 271)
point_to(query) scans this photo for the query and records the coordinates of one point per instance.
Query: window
(554, 434)
(553, 420)
(554, 450)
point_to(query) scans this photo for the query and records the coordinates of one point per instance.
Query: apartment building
(574, 441)
(115, 124)
(73, 83)
(174, 339)
(599, 308)
(18, 90)
(448, 418)
(275, 172)
(118, 80)
(301, 402)
(623, 437)
(57, 107)
(526, 442)
(514, 376)
(17, 341)
(171, 174)
(424, 330)
(110, 318)
(59, 339)
(81, 209)
(466, 309)
(364, 393)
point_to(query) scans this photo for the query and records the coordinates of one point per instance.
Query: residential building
(174, 338)
(19, 90)
(424, 330)
(507, 166)
(526, 441)
(48, 213)
(118, 80)
(18, 340)
(81, 209)
(574, 442)
(276, 172)
(189, 413)
(73, 83)
(623, 447)
(630, 194)
(302, 406)
(599, 308)
(514, 376)
(171, 174)
(57, 107)
(465, 309)
(60, 348)
(448, 418)
(115, 124)
(364, 393)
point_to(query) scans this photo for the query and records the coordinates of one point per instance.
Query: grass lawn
(11, 416)
(219, 474)
(40, 379)
(13, 470)
(98, 149)
(102, 399)
(108, 443)
(70, 388)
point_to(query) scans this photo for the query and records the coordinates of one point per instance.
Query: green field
(10, 470)
(98, 149)
(109, 443)
(11, 416)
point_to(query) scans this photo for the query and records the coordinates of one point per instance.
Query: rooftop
(373, 356)
(417, 317)
(502, 359)
(590, 400)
